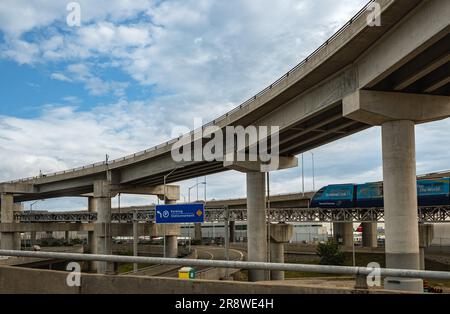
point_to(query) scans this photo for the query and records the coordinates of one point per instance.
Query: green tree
(329, 254)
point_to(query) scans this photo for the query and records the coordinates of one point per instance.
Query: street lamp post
(165, 202)
(303, 177)
(313, 172)
(189, 201)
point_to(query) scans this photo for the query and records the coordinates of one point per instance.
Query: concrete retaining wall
(24, 280)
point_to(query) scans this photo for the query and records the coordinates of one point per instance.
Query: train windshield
(319, 193)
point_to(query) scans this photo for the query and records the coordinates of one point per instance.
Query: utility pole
(303, 177)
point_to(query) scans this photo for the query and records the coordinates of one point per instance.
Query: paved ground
(203, 252)
(329, 282)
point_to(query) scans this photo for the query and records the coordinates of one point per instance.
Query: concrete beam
(172, 191)
(18, 188)
(376, 108)
(424, 26)
(158, 230)
(45, 226)
(281, 233)
(285, 162)
(414, 77)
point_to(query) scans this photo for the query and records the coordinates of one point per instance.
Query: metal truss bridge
(435, 214)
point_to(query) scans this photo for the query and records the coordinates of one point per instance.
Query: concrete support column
(102, 229)
(67, 236)
(171, 246)
(91, 241)
(33, 237)
(400, 202)
(198, 232)
(369, 234)
(8, 239)
(232, 228)
(343, 233)
(426, 235)
(171, 241)
(279, 235)
(135, 240)
(256, 223)
(17, 235)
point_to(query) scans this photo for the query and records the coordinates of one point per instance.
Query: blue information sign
(180, 213)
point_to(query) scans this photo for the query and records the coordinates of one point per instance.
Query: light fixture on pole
(31, 211)
(313, 172)
(195, 186)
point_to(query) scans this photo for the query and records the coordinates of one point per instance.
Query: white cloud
(21, 16)
(60, 77)
(195, 47)
(201, 57)
(96, 86)
(20, 51)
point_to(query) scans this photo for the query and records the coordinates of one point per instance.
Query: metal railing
(215, 121)
(322, 269)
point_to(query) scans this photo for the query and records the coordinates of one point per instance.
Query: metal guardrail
(335, 270)
(224, 116)
(435, 214)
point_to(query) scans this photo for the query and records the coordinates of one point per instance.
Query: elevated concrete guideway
(306, 103)
(395, 76)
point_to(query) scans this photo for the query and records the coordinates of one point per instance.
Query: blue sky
(134, 70)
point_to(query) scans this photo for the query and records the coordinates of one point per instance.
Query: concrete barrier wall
(25, 280)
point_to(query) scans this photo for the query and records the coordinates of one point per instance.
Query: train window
(370, 190)
(338, 192)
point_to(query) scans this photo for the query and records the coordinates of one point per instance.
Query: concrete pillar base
(232, 227)
(171, 247)
(7, 241)
(422, 258)
(343, 233)
(33, 237)
(279, 235)
(276, 256)
(403, 284)
(198, 232)
(369, 234)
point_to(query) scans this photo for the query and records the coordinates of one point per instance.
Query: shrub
(329, 254)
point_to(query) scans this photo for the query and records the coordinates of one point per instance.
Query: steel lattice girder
(425, 214)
